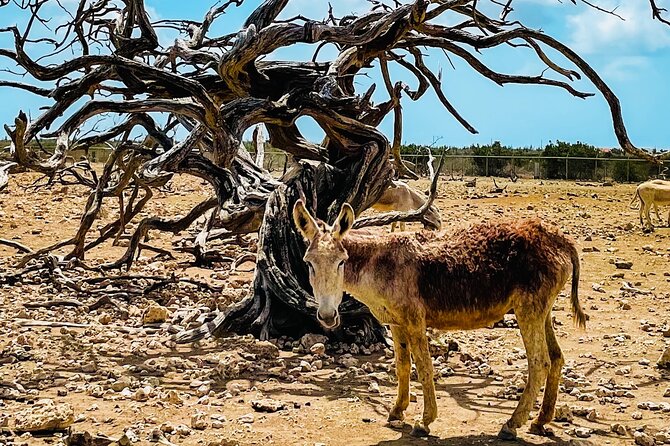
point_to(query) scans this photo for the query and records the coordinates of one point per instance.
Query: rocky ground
(88, 361)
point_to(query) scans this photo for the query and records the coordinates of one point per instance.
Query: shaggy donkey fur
(462, 281)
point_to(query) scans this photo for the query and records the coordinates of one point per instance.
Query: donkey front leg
(534, 339)
(403, 368)
(424, 365)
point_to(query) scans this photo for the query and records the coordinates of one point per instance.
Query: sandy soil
(120, 377)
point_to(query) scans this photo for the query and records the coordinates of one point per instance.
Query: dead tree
(213, 88)
(258, 141)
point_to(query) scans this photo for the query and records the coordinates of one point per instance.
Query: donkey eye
(341, 264)
(310, 267)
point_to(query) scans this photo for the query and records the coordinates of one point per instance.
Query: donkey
(652, 193)
(466, 281)
(401, 197)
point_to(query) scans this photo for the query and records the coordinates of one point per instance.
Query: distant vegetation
(548, 162)
(492, 159)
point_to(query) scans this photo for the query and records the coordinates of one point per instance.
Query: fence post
(566, 167)
(487, 165)
(627, 168)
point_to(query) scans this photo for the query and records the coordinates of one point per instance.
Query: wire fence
(620, 169)
(524, 166)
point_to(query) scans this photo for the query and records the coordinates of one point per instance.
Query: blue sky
(633, 57)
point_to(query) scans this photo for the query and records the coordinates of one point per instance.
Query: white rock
(247, 419)
(583, 432)
(318, 349)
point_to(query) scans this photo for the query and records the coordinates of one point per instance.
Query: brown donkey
(466, 281)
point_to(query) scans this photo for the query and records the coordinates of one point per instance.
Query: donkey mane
(468, 270)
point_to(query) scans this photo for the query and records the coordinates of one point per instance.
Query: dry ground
(118, 375)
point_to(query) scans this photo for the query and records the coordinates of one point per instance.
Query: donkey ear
(344, 221)
(304, 221)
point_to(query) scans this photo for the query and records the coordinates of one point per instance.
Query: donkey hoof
(419, 430)
(396, 415)
(538, 429)
(396, 424)
(507, 433)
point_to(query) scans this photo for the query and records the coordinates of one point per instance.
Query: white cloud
(625, 68)
(596, 32)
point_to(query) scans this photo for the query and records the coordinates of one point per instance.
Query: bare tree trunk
(259, 145)
(214, 88)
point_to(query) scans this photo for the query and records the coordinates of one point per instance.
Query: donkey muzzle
(328, 318)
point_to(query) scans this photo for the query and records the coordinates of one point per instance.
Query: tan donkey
(464, 281)
(401, 197)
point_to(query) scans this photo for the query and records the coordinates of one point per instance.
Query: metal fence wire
(524, 166)
(619, 169)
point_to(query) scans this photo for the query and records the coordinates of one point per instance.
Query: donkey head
(325, 257)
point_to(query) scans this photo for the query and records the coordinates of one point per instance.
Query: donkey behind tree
(466, 281)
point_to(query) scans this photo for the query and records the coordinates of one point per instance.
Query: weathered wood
(259, 145)
(214, 88)
(4, 174)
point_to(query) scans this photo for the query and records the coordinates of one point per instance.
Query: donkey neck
(371, 264)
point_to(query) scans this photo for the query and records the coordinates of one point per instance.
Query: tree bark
(214, 88)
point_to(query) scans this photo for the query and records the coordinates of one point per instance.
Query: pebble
(267, 405)
(618, 429)
(308, 340)
(318, 349)
(623, 264)
(105, 318)
(199, 421)
(246, 419)
(664, 361)
(155, 314)
(583, 432)
(563, 413)
(349, 361)
(644, 439)
(129, 437)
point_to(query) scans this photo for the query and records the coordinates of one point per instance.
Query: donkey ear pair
(309, 228)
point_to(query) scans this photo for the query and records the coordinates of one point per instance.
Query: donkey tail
(578, 315)
(635, 198)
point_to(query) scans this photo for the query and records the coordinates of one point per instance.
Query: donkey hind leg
(532, 328)
(402, 226)
(657, 214)
(647, 216)
(424, 366)
(551, 387)
(403, 368)
(395, 223)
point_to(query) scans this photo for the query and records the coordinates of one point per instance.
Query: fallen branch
(16, 245)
